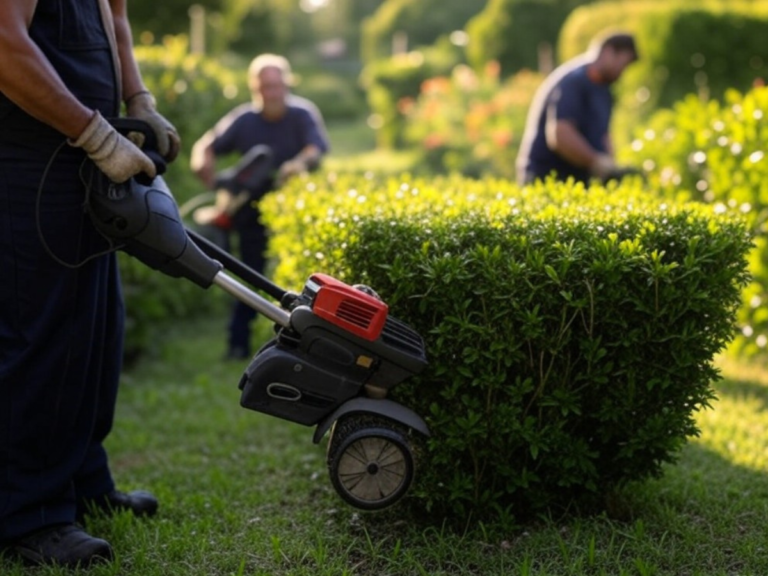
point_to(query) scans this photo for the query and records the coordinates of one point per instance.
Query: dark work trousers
(61, 333)
(252, 237)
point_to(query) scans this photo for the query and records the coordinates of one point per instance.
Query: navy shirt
(568, 94)
(245, 127)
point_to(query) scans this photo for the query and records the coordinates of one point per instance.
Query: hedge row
(570, 332)
(421, 23)
(512, 32)
(715, 151)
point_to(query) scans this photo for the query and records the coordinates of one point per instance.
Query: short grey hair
(263, 61)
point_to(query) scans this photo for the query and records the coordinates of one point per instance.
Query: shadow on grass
(743, 380)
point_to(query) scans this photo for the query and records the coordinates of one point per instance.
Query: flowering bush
(470, 123)
(715, 151)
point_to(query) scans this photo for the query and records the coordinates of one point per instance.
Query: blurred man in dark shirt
(567, 132)
(293, 130)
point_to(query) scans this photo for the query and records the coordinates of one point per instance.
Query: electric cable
(38, 199)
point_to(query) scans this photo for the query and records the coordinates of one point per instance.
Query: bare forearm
(309, 155)
(131, 76)
(566, 140)
(29, 80)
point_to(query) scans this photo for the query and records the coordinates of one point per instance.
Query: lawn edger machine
(336, 351)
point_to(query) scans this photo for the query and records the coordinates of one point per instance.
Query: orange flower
(405, 104)
(433, 141)
(502, 138)
(492, 69)
(437, 85)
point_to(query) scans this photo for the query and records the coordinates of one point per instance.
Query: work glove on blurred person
(113, 153)
(290, 168)
(142, 106)
(602, 166)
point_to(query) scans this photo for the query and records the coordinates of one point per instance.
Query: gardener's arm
(28, 78)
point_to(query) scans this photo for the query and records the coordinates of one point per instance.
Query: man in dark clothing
(293, 129)
(567, 132)
(65, 65)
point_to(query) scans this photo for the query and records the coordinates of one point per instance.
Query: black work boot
(63, 544)
(139, 502)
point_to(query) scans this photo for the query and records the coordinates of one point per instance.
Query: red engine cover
(349, 308)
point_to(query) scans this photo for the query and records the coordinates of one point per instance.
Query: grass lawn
(245, 493)
(353, 149)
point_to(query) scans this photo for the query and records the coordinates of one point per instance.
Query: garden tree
(422, 21)
(167, 17)
(342, 19)
(245, 26)
(512, 32)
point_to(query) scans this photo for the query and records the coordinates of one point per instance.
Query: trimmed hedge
(570, 332)
(715, 151)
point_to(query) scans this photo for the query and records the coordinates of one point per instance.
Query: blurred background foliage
(439, 86)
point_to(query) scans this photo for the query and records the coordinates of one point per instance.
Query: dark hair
(619, 42)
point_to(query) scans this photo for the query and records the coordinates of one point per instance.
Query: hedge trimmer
(336, 352)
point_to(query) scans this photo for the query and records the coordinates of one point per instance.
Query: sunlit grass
(353, 149)
(243, 493)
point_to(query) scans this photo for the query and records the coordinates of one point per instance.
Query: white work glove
(113, 153)
(142, 106)
(290, 168)
(602, 166)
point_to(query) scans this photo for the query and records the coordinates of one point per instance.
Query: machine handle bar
(236, 266)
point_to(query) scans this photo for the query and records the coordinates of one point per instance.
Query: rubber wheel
(370, 461)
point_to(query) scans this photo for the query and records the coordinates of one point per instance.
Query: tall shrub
(421, 23)
(570, 332)
(512, 32)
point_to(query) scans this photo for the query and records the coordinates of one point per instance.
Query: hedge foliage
(570, 332)
(715, 151)
(703, 47)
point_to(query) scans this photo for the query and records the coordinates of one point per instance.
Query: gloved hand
(602, 166)
(142, 106)
(620, 172)
(113, 153)
(290, 168)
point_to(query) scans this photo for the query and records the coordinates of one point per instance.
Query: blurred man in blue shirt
(567, 132)
(293, 130)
